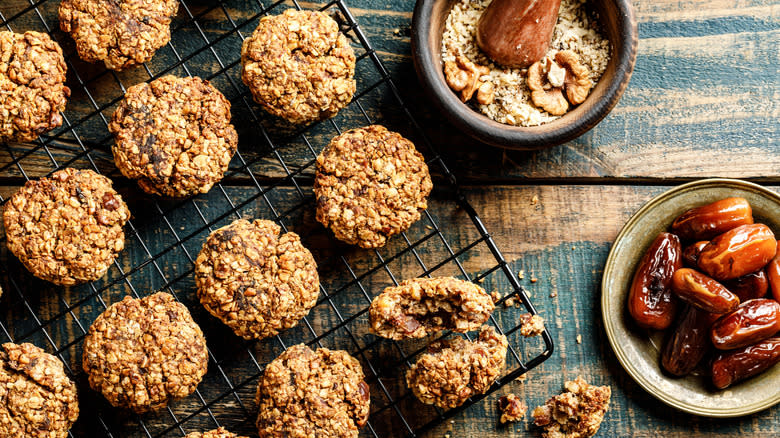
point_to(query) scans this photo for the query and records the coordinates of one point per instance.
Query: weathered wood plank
(704, 92)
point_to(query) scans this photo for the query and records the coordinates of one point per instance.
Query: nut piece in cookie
(121, 33)
(255, 281)
(173, 135)
(299, 66)
(142, 353)
(306, 393)
(577, 413)
(531, 325)
(512, 408)
(454, 370)
(38, 398)
(422, 306)
(66, 228)
(32, 85)
(370, 184)
(216, 433)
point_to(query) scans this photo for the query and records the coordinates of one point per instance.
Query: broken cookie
(422, 306)
(453, 370)
(577, 413)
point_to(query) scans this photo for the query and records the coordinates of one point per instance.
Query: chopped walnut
(512, 408)
(548, 79)
(577, 82)
(464, 76)
(542, 93)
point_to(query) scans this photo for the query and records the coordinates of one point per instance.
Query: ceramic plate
(636, 349)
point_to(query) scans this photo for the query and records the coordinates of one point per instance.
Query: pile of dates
(708, 280)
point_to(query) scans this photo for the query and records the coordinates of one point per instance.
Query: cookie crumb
(579, 339)
(512, 408)
(521, 274)
(532, 325)
(495, 296)
(553, 294)
(534, 279)
(534, 200)
(577, 413)
(510, 301)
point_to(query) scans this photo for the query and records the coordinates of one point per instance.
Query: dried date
(738, 252)
(733, 366)
(703, 292)
(749, 287)
(773, 276)
(708, 221)
(691, 253)
(753, 321)
(650, 300)
(689, 342)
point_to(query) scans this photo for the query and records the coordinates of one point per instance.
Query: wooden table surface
(704, 101)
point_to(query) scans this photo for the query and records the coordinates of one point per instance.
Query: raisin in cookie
(216, 433)
(32, 85)
(121, 33)
(453, 370)
(305, 393)
(370, 184)
(255, 281)
(67, 228)
(299, 66)
(38, 398)
(422, 306)
(174, 136)
(142, 353)
(577, 413)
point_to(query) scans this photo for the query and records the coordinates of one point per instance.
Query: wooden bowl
(620, 27)
(637, 350)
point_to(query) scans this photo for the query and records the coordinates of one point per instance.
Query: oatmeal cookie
(142, 353)
(38, 398)
(577, 413)
(216, 433)
(371, 184)
(67, 228)
(453, 370)
(422, 306)
(299, 66)
(255, 281)
(305, 393)
(32, 85)
(121, 33)
(174, 136)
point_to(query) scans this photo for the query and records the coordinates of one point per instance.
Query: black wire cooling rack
(270, 177)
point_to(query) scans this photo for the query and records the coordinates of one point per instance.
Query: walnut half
(548, 79)
(463, 76)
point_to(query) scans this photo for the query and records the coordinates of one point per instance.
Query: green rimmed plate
(638, 350)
